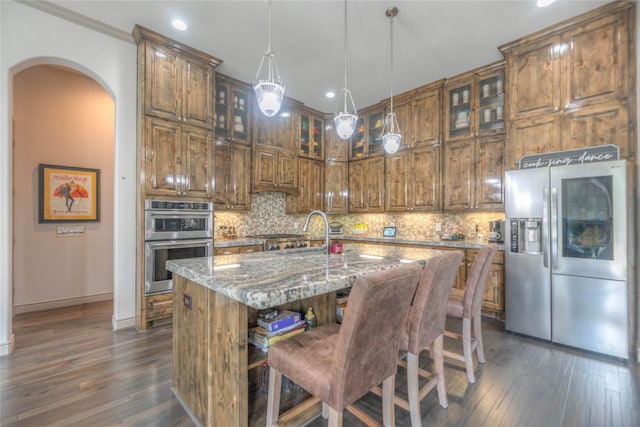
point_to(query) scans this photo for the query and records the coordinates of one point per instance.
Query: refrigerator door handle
(554, 227)
(545, 226)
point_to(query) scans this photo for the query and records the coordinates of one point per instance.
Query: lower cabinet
(231, 250)
(493, 296)
(157, 307)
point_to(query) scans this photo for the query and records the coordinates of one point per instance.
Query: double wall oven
(174, 230)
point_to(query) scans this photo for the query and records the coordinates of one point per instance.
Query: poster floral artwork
(68, 194)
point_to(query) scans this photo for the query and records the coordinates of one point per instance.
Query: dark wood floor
(70, 369)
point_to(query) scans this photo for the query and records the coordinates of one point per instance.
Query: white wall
(29, 37)
(60, 117)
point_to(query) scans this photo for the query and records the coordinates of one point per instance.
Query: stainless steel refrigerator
(566, 255)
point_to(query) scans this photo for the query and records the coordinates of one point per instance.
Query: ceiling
(432, 39)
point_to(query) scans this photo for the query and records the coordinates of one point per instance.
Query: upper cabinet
(419, 115)
(277, 131)
(232, 176)
(176, 96)
(275, 159)
(366, 140)
(178, 80)
(473, 152)
(572, 84)
(337, 149)
(233, 110)
(475, 103)
(366, 185)
(310, 134)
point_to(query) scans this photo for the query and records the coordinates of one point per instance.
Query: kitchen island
(216, 299)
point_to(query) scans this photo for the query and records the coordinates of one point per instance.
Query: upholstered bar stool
(424, 327)
(338, 364)
(467, 305)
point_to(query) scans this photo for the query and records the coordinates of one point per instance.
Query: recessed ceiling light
(179, 25)
(543, 3)
(330, 94)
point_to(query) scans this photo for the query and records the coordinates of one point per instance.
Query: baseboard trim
(68, 302)
(129, 322)
(7, 348)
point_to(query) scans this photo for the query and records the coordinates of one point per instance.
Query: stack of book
(273, 327)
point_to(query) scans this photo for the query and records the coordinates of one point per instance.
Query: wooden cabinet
(178, 159)
(233, 110)
(475, 103)
(336, 184)
(366, 140)
(310, 134)
(234, 250)
(337, 149)
(419, 114)
(277, 131)
(473, 171)
(274, 170)
(310, 188)
(413, 180)
(573, 83)
(275, 160)
(157, 307)
(366, 185)
(175, 146)
(493, 295)
(232, 176)
(177, 81)
(176, 97)
(473, 153)
(336, 170)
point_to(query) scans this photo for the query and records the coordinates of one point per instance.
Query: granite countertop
(266, 279)
(462, 244)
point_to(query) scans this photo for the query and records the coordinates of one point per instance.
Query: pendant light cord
(269, 38)
(345, 55)
(392, 14)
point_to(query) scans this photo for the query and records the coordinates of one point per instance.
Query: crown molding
(79, 19)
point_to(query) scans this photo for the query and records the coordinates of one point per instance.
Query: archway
(61, 116)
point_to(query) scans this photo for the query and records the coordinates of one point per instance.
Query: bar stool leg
(413, 389)
(273, 399)
(438, 368)
(468, 350)
(388, 406)
(477, 330)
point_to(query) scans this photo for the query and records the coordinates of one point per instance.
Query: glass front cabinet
(310, 135)
(366, 140)
(474, 103)
(232, 110)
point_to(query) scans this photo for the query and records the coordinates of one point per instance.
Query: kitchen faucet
(326, 226)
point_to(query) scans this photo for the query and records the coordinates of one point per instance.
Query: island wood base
(210, 352)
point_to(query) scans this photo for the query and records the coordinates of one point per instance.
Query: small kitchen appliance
(335, 228)
(496, 231)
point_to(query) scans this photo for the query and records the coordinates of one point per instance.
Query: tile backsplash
(268, 215)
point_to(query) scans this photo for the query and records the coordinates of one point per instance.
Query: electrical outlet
(438, 226)
(295, 225)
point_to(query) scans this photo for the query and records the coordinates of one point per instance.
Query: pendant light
(391, 136)
(269, 88)
(346, 119)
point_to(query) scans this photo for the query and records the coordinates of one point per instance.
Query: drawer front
(159, 306)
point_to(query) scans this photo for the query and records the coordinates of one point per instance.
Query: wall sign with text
(600, 153)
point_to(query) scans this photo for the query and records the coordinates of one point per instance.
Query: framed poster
(68, 194)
